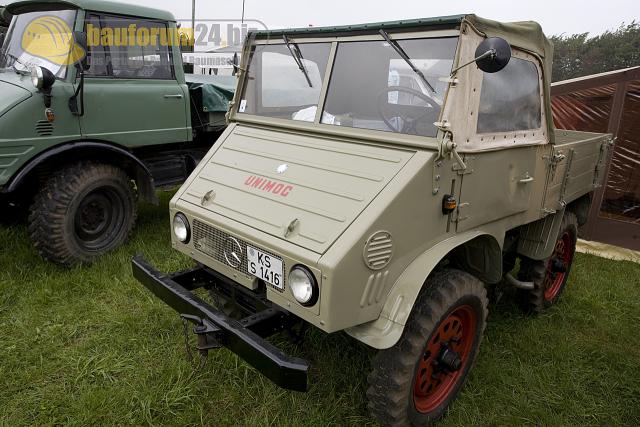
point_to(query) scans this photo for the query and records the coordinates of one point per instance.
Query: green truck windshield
(371, 86)
(39, 39)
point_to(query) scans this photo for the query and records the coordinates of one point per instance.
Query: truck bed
(575, 174)
(210, 97)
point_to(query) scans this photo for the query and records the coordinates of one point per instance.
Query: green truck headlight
(181, 228)
(303, 286)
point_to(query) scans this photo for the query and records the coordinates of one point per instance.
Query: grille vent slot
(44, 128)
(378, 250)
(211, 241)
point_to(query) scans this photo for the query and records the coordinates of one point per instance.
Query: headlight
(36, 77)
(42, 78)
(303, 286)
(181, 228)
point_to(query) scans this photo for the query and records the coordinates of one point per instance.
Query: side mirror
(80, 42)
(493, 54)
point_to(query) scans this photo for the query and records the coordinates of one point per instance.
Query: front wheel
(413, 382)
(82, 211)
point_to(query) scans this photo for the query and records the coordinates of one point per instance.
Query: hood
(12, 92)
(302, 189)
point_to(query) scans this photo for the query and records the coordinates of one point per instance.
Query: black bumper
(245, 337)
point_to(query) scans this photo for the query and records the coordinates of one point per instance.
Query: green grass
(91, 346)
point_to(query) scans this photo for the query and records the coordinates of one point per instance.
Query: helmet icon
(51, 38)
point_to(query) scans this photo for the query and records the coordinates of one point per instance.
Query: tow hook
(209, 335)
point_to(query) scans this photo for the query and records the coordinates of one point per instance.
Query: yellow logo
(50, 38)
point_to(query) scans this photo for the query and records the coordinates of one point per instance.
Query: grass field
(91, 346)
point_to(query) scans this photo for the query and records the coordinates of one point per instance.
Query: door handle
(526, 180)
(177, 96)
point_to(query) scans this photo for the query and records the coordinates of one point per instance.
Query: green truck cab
(82, 138)
(380, 180)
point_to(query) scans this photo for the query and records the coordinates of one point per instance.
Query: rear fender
(387, 329)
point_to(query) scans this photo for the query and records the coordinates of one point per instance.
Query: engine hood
(12, 91)
(299, 188)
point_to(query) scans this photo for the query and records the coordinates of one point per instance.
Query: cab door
(504, 175)
(131, 94)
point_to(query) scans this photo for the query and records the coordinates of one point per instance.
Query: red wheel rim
(557, 267)
(436, 376)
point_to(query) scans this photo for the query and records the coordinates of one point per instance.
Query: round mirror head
(493, 54)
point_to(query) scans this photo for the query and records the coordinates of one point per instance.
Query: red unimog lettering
(268, 185)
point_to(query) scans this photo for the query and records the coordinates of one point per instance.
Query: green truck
(82, 139)
(5, 20)
(381, 180)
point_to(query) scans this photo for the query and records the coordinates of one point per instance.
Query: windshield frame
(324, 128)
(63, 72)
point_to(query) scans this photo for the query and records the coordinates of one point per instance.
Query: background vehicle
(336, 199)
(5, 20)
(91, 138)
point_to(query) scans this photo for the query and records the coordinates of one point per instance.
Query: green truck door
(131, 94)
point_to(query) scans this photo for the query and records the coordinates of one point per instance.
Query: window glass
(41, 39)
(510, 98)
(144, 56)
(372, 87)
(277, 87)
(97, 59)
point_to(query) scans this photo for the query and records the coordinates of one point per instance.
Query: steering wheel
(403, 123)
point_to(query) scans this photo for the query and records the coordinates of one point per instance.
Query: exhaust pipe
(518, 283)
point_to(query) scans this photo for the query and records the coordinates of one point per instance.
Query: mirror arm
(490, 53)
(73, 101)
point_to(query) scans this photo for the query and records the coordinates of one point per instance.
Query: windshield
(371, 85)
(39, 39)
(277, 86)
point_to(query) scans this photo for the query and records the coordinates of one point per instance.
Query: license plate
(265, 267)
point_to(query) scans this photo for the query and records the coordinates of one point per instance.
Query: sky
(555, 16)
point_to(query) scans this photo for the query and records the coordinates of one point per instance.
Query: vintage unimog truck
(82, 138)
(379, 179)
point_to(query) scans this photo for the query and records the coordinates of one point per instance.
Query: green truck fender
(89, 150)
(483, 254)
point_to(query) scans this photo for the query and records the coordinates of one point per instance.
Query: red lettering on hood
(268, 185)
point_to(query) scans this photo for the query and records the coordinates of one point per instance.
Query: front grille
(211, 241)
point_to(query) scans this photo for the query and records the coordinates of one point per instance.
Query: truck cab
(88, 86)
(378, 179)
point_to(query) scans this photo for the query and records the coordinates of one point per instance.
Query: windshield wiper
(394, 44)
(16, 59)
(297, 56)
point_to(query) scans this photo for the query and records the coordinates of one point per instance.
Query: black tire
(398, 392)
(81, 212)
(550, 275)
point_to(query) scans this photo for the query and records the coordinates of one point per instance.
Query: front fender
(387, 329)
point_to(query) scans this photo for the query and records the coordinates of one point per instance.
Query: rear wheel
(413, 382)
(550, 275)
(82, 211)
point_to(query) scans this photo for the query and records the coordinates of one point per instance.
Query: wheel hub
(448, 360)
(557, 267)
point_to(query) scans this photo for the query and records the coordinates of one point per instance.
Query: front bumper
(245, 337)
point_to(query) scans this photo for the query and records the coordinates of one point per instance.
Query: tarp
(217, 91)
(528, 36)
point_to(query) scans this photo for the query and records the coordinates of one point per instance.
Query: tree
(578, 55)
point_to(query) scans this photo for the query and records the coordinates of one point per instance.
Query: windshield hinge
(453, 81)
(447, 147)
